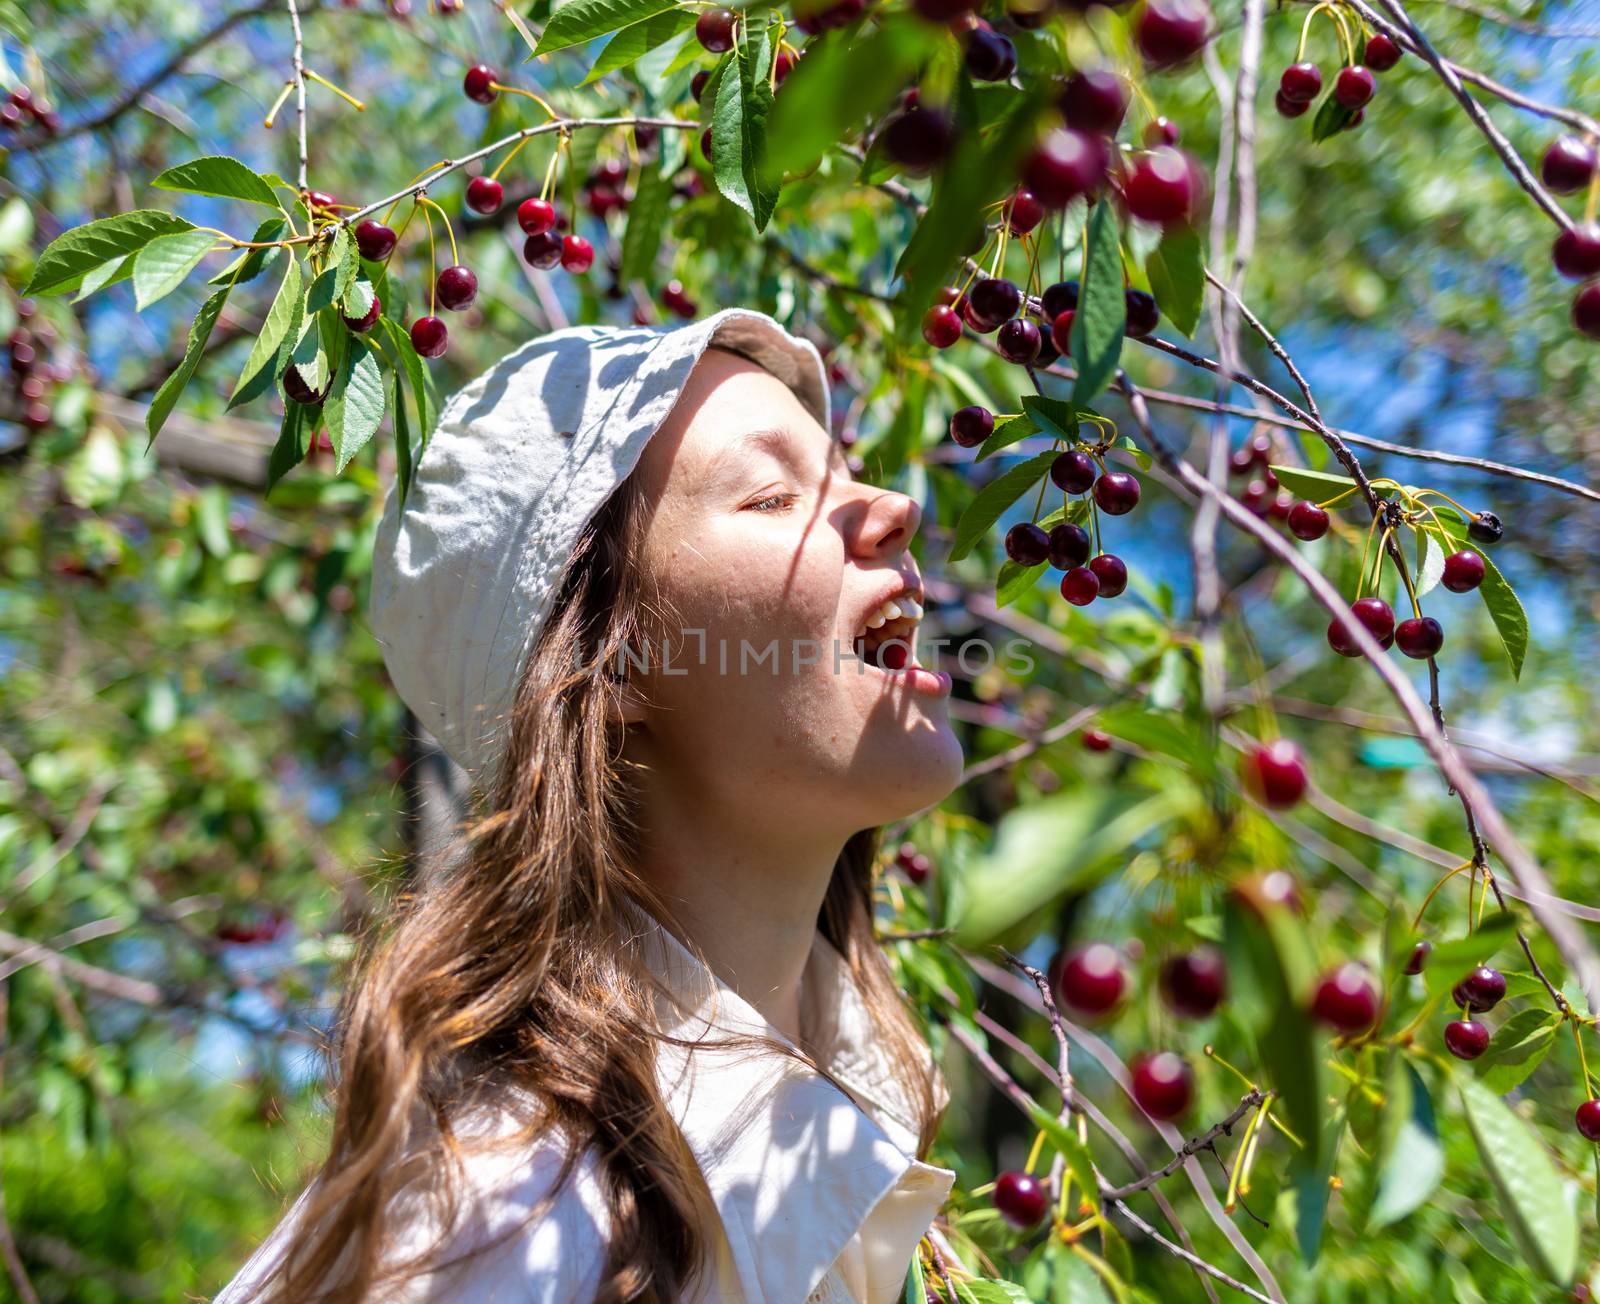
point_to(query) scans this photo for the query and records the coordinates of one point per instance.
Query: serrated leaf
(1005, 433)
(743, 99)
(1053, 416)
(1518, 1046)
(1505, 609)
(108, 273)
(163, 264)
(1176, 268)
(252, 262)
(1430, 561)
(402, 437)
(638, 39)
(1313, 486)
(357, 301)
(346, 260)
(293, 440)
(172, 388)
(218, 175)
(1332, 118)
(1411, 1161)
(583, 20)
(421, 383)
(1014, 580)
(1532, 1199)
(846, 78)
(282, 317)
(308, 357)
(647, 218)
(993, 499)
(66, 258)
(321, 294)
(1097, 327)
(354, 409)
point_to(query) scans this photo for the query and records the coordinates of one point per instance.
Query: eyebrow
(772, 440)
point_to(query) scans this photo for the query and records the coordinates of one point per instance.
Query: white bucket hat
(522, 458)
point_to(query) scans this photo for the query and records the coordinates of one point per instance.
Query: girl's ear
(626, 705)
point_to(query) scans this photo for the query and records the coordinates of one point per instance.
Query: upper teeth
(905, 605)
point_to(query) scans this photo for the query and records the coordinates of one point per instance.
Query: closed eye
(782, 501)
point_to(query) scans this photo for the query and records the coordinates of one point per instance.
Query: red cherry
(577, 254)
(1346, 999)
(1289, 108)
(1195, 982)
(941, 327)
(542, 250)
(1023, 212)
(1027, 544)
(1168, 32)
(1163, 1085)
(1567, 164)
(429, 336)
(369, 320)
(456, 288)
(1090, 979)
(1116, 493)
(1275, 774)
(919, 139)
(1419, 957)
(485, 195)
(1112, 572)
(697, 83)
(1021, 1199)
(374, 240)
(320, 201)
(1419, 638)
(1061, 330)
(1073, 472)
(1064, 165)
(1482, 989)
(296, 388)
(1095, 100)
(1080, 586)
(1069, 546)
(1586, 310)
(714, 29)
(989, 57)
(1466, 1038)
(1160, 186)
(478, 83)
(1307, 521)
(1019, 341)
(536, 216)
(1587, 1119)
(782, 65)
(1161, 131)
(1576, 253)
(1354, 86)
(1463, 571)
(1097, 740)
(1301, 83)
(1381, 53)
(1378, 617)
(970, 426)
(912, 863)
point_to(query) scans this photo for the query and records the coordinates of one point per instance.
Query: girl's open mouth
(890, 646)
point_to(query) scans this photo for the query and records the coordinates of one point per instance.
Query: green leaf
(1005, 433)
(638, 39)
(743, 98)
(108, 273)
(1014, 580)
(1097, 328)
(583, 20)
(1054, 417)
(980, 1291)
(218, 175)
(321, 293)
(1332, 118)
(211, 521)
(1060, 844)
(1176, 268)
(1505, 609)
(1164, 732)
(309, 357)
(343, 255)
(647, 218)
(356, 302)
(402, 437)
(1066, 1144)
(252, 262)
(1141, 459)
(915, 1292)
(163, 264)
(1411, 1157)
(1449, 962)
(421, 382)
(354, 409)
(293, 439)
(1311, 1187)
(284, 315)
(993, 499)
(65, 260)
(1430, 561)
(1532, 1199)
(1518, 1047)
(1313, 486)
(846, 78)
(167, 396)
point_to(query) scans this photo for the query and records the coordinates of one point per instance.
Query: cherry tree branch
(300, 94)
(1187, 1257)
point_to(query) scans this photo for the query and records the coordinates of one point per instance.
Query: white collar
(797, 1167)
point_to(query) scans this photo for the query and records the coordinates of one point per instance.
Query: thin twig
(300, 95)
(1187, 1257)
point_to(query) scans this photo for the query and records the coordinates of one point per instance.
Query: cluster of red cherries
(1353, 87)
(33, 378)
(1569, 165)
(20, 106)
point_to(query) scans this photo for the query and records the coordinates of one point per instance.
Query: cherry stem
(455, 257)
(272, 113)
(1417, 922)
(505, 162)
(517, 90)
(1583, 1063)
(433, 261)
(344, 95)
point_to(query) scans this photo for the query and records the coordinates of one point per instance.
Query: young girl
(634, 1039)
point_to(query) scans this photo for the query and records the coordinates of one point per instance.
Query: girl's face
(761, 539)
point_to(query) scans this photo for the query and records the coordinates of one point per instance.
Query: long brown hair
(505, 970)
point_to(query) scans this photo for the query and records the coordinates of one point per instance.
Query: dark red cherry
(1376, 614)
(1064, 165)
(714, 29)
(918, 139)
(1289, 108)
(577, 254)
(1094, 100)
(366, 322)
(1141, 313)
(1463, 571)
(1018, 341)
(1381, 53)
(1419, 638)
(374, 240)
(1586, 310)
(456, 288)
(1301, 83)
(1168, 32)
(1307, 521)
(1073, 472)
(1090, 979)
(941, 327)
(429, 336)
(1112, 572)
(1163, 1085)
(1059, 298)
(479, 83)
(1466, 1038)
(697, 83)
(1419, 957)
(1023, 212)
(1080, 586)
(1346, 999)
(994, 300)
(1482, 989)
(1354, 86)
(1097, 740)
(1161, 131)
(1069, 545)
(295, 387)
(485, 195)
(542, 250)
(1117, 493)
(1160, 186)
(1061, 330)
(1576, 253)
(1275, 773)
(1567, 165)
(536, 216)
(1194, 982)
(970, 426)
(1021, 1199)
(1027, 544)
(989, 57)
(1587, 1119)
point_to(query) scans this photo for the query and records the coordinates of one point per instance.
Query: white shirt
(820, 1197)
